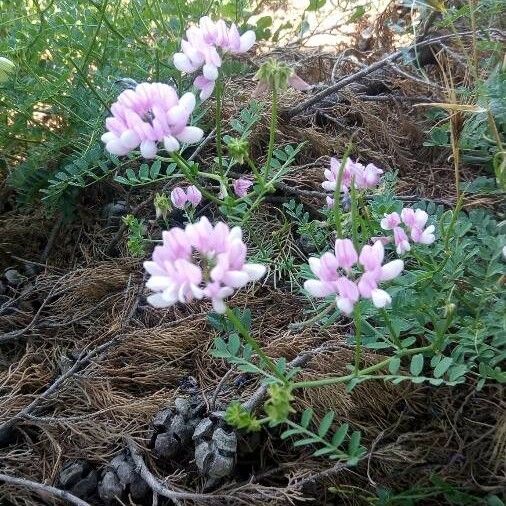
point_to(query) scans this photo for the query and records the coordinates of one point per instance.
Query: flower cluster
(149, 114)
(200, 50)
(334, 271)
(361, 176)
(197, 262)
(180, 197)
(414, 221)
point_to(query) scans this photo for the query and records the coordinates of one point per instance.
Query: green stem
(451, 226)
(363, 372)
(239, 326)
(219, 113)
(337, 192)
(254, 169)
(354, 214)
(358, 337)
(313, 319)
(390, 327)
(272, 130)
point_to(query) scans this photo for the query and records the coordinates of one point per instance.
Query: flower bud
(193, 195)
(238, 149)
(274, 75)
(162, 205)
(449, 309)
(6, 69)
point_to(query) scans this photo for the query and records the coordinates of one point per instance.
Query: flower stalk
(272, 128)
(244, 332)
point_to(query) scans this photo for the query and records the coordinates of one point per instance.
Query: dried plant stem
(43, 489)
(159, 488)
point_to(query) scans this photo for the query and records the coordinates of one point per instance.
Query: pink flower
(375, 273)
(363, 177)
(241, 186)
(329, 201)
(401, 241)
(425, 236)
(206, 87)
(345, 253)
(415, 220)
(178, 197)
(371, 257)
(390, 221)
(200, 50)
(331, 281)
(193, 195)
(348, 295)
(149, 115)
(371, 176)
(199, 262)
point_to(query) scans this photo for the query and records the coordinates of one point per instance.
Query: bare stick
(43, 489)
(290, 113)
(158, 487)
(51, 239)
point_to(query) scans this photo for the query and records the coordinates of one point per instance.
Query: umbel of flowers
(337, 275)
(203, 49)
(414, 221)
(201, 261)
(367, 176)
(149, 115)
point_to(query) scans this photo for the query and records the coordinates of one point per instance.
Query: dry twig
(43, 489)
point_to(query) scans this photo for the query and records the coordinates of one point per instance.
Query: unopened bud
(274, 75)
(162, 205)
(6, 69)
(238, 149)
(449, 309)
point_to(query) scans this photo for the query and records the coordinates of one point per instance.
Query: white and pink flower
(180, 197)
(149, 115)
(202, 48)
(334, 275)
(198, 262)
(414, 221)
(353, 172)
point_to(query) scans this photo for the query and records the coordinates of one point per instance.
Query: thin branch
(52, 237)
(159, 488)
(43, 489)
(342, 83)
(10, 336)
